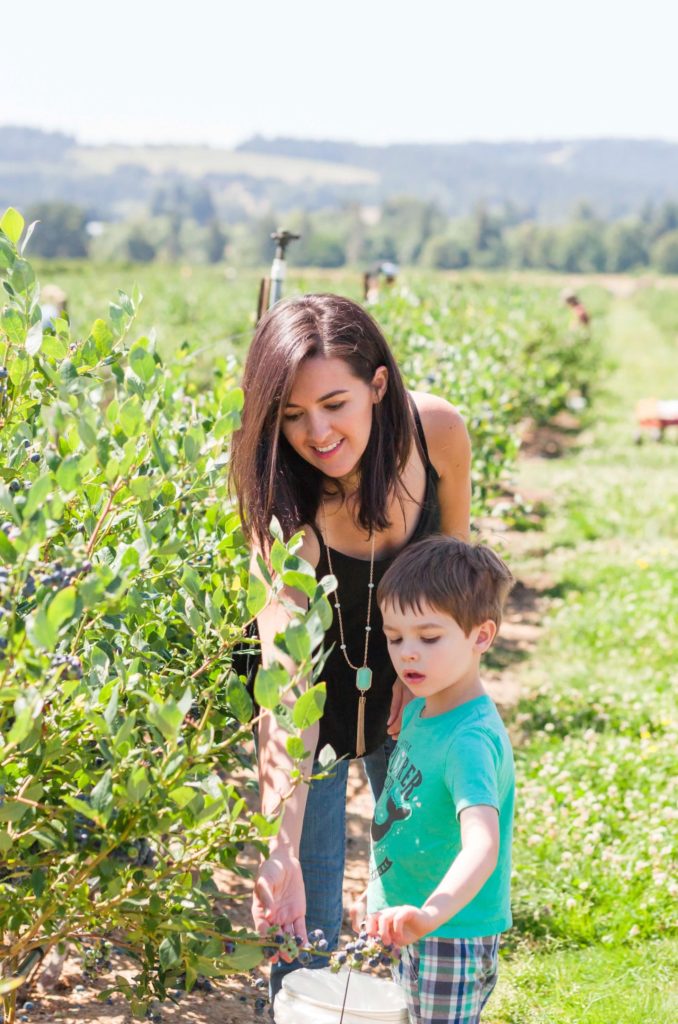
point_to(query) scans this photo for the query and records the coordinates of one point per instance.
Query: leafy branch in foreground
(125, 589)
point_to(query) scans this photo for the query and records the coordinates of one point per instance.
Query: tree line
(183, 224)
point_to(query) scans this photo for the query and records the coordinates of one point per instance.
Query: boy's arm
(469, 871)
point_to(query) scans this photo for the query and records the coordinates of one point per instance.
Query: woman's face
(328, 417)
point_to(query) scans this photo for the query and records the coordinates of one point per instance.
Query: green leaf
(295, 748)
(267, 686)
(298, 642)
(243, 958)
(138, 784)
(13, 326)
(34, 339)
(160, 456)
(7, 549)
(7, 254)
(169, 951)
(61, 608)
(37, 495)
(102, 337)
(41, 630)
(82, 807)
(299, 581)
(239, 701)
(130, 417)
(167, 718)
(310, 706)
(265, 827)
(20, 367)
(257, 595)
(69, 475)
(9, 984)
(142, 363)
(102, 796)
(12, 224)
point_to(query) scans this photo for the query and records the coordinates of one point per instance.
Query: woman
(332, 443)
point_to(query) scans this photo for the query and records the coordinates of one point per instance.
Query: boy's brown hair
(469, 582)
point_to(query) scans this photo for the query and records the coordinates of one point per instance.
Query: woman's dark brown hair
(267, 475)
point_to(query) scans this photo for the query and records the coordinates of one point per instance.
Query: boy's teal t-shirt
(441, 765)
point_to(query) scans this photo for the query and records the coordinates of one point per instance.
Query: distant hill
(545, 179)
(616, 176)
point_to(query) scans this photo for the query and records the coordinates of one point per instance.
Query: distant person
(53, 304)
(372, 278)
(579, 311)
(440, 864)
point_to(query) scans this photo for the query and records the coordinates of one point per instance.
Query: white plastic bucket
(316, 997)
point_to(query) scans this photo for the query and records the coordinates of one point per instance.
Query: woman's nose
(317, 427)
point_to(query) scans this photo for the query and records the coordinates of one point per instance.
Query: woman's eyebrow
(323, 398)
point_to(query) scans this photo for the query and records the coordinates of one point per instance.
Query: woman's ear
(380, 382)
(486, 634)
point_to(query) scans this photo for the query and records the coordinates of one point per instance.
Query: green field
(595, 889)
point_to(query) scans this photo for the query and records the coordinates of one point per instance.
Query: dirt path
(74, 1001)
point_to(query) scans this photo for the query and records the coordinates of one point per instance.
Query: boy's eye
(392, 640)
(430, 639)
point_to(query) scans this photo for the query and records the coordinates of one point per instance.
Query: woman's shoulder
(444, 428)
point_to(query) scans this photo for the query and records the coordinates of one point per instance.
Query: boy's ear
(486, 634)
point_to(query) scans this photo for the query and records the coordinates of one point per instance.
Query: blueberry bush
(125, 589)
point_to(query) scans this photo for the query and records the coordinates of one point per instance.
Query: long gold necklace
(363, 673)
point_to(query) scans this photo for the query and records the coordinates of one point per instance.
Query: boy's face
(433, 656)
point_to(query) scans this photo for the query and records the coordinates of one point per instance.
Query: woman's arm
(279, 897)
(450, 452)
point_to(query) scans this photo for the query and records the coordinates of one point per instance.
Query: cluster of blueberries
(364, 951)
(58, 576)
(70, 665)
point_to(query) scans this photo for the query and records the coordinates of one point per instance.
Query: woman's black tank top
(339, 721)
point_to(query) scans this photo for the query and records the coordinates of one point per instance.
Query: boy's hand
(358, 911)
(399, 926)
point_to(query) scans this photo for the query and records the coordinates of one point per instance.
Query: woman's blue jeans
(322, 852)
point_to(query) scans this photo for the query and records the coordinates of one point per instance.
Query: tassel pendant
(360, 734)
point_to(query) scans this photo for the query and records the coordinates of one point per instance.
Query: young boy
(441, 836)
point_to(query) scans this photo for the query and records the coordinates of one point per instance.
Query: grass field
(595, 886)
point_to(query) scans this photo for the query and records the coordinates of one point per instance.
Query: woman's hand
(401, 697)
(279, 897)
(399, 926)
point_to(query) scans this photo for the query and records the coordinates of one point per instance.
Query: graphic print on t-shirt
(402, 780)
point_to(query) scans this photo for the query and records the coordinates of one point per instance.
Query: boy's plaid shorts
(448, 981)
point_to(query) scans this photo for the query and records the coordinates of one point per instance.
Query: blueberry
(35, 457)
(14, 486)
(3, 372)
(268, 951)
(385, 960)
(279, 939)
(342, 958)
(363, 936)
(229, 947)
(260, 983)
(259, 1006)
(350, 947)
(358, 958)
(374, 961)
(26, 443)
(304, 957)
(322, 944)
(360, 944)
(28, 1006)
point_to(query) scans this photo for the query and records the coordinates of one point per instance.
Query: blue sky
(369, 71)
